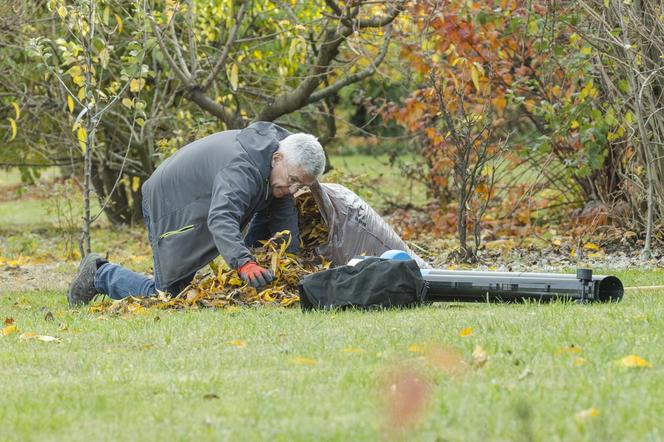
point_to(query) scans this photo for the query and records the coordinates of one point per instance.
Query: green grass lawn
(553, 371)
(279, 374)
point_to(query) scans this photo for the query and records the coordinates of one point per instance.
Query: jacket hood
(260, 140)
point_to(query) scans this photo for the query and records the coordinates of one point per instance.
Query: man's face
(286, 180)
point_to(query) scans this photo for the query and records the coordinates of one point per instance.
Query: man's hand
(255, 275)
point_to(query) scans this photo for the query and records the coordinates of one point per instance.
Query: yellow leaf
(585, 414)
(9, 330)
(475, 76)
(634, 361)
(292, 50)
(75, 71)
(352, 350)
(239, 343)
(82, 136)
(574, 125)
(17, 110)
(591, 246)
(78, 80)
(81, 94)
(106, 14)
(571, 349)
(414, 348)
(573, 38)
(119, 22)
(466, 332)
(629, 117)
(580, 362)
(235, 281)
(479, 356)
(303, 361)
(62, 11)
(104, 57)
(128, 103)
(532, 26)
(136, 84)
(12, 123)
(233, 76)
(135, 183)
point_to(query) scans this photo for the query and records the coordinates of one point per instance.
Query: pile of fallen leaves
(222, 287)
(313, 230)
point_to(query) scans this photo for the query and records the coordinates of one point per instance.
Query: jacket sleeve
(283, 216)
(233, 190)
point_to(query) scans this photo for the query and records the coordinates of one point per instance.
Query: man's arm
(233, 190)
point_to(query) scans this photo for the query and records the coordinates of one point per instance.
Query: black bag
(373, 282)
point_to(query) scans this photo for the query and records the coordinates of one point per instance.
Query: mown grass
(278, 374)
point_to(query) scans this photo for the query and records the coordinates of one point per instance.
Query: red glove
(255, 275)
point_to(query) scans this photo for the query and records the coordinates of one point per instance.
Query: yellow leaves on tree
(233, 76)
(136, 84)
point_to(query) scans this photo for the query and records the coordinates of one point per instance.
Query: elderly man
(197, 203)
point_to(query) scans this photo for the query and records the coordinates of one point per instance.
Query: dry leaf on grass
(303, 361)
(634, 361)
(572, 349)
(239, 343)
(585, 414)
(29, 336)
(480, 357)
(10, 329)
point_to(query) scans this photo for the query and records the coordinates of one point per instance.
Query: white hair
(304, 151)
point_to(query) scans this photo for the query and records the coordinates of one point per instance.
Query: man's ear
(276, 157)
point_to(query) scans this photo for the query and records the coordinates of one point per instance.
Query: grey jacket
(199, 200)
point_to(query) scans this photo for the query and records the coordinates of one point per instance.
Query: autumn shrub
(521, 66)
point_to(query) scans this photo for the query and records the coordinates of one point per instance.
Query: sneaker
(82, 288)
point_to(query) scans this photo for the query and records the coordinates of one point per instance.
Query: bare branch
(379, 22)
(167, 55)
(219, 111)
(178, 49)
